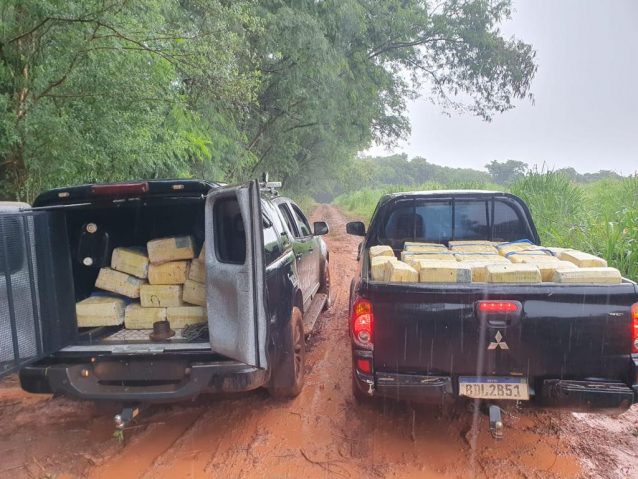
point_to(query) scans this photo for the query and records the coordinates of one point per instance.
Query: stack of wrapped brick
(477, 255)
(162, 282)
(477, 261)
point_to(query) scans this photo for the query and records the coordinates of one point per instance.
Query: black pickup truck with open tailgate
(557, 345)
(267, 280)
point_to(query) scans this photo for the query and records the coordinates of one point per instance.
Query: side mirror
(320, 228)
(356, 228)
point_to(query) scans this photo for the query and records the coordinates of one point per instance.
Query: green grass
(600, 218)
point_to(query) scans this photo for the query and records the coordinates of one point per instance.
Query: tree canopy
(102, 90)
(506, 172)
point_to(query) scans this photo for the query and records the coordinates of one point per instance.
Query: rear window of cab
(442, 220)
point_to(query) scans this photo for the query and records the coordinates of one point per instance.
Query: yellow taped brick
(483, 257)
(415, 244)
(423, 248)
(582, 260)
(513, 273)
(173, 272)
(377, 266)
(505, 248)
(161, 295)
(479, 271)
(470, 242)
(99, 311)
(599, 275)
(556, 251)
(443, 255)
(399, 272)
(197, 271)
(477, 248)
(416, 261)
(548, 268)
(531, 257)
(117, 282)
(131, 261)
(444, 272)
(195, 293)
(171, 249)
(183, 316)
(202, 253)
(138, 317)
(381, 250)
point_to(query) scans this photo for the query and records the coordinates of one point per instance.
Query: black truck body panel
(430, 330)
(572, 342)
(37, 312)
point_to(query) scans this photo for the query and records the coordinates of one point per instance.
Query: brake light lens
(120, 189)
(498, 306)
(362, 323)
(364, 365)
(634, 328)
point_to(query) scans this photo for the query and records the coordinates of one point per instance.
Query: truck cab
(258, 300)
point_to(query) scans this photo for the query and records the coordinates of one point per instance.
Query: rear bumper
(110, 382)
(587, 395)
(434, 389)
(582, 396)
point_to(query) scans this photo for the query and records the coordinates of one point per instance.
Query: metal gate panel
(37, 315)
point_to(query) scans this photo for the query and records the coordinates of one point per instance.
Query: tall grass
(557, 206)
(600, 218)
(612, 220)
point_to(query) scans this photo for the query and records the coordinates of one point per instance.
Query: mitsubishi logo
(498, 344)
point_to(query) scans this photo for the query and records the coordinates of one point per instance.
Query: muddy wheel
(288, 377)
(325, 285)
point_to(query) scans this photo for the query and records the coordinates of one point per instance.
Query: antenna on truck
(269, 186)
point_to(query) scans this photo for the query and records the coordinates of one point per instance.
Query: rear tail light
(120, 189)
(634, 328)
(364, 365)
(362, 323)
(495, 307)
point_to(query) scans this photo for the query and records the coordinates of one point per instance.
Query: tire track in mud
(322, 433)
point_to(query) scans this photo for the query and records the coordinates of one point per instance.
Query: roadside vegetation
(599, 217)
(94, 91)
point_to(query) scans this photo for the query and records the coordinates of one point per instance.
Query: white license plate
(493, 387)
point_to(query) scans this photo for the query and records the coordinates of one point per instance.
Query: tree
(336, 76)
(93, 90)
(98, 91)
(506, 172)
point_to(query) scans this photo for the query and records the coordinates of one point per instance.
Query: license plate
(493, 387)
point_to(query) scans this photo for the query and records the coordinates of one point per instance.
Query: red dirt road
(322, 433)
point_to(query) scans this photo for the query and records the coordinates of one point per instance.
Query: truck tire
(287, 379)
(325, 285)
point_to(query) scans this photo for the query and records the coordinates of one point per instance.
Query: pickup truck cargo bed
(128, 224)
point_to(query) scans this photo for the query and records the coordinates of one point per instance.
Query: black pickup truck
(267, 281)
(557, 345)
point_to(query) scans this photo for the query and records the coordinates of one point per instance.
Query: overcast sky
(585, 113)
